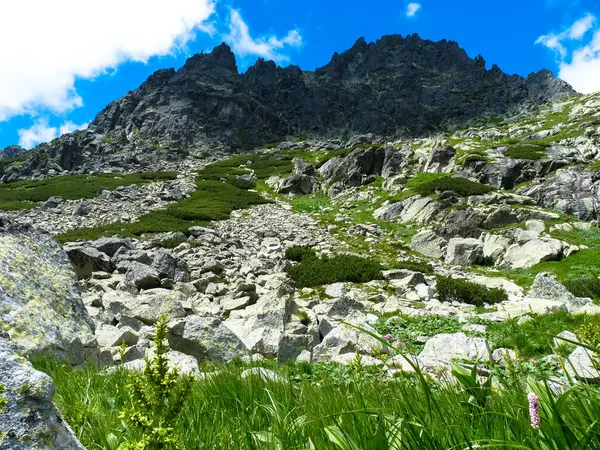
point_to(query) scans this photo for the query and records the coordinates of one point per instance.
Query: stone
(261, 326)
(545, 286)
(303, 168)
(464, 251)
(126, 336)
(428, 243)
(389, 212)
(41, 309)
(299, 184)
(29, 420)
(86, 260)
(110, 245)
(81, 209)
(206, 339)
(439, 159)
(504, 356)
(142, 276)
(494, 247)
(170, 267)
(583, 365)
(335, 290)
(533, 252)
(443, 348)
(264, 374)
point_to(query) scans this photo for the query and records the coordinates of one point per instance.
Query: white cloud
(41, 131)
(580, 66)
(412, 9)
(243, 44)
(47, 45)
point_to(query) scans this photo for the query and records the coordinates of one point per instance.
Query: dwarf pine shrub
(158, 395)
(463, 291)
(316, 271)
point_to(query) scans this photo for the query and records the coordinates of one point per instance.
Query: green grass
(461, 186)
(24, 194)
(584, 264)
(317, 402)
(316, 271)
(533, 338)
(415, 266)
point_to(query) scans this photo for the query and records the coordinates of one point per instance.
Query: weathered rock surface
(40, 304)
(29, 419)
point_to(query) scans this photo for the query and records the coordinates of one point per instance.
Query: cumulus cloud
(412, 9)
(579, 65)
(41, 131)
(47, 45)
(243, 44)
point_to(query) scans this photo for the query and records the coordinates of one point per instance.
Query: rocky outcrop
(40, 304)
(397, 85)
(28, 419)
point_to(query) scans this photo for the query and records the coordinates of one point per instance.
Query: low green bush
(463, 291)
(297, 253)
(526, 151)
(461, 186)
(415, 266)
(588, 286)
(314, 271)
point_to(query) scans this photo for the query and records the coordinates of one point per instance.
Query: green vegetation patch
(212, 201)
(325, 406)
(534, 337)
(406, 330)
(316, 271)
(415, 266)
(461, 186)
(578, 271)
(463, 291)
(24, 194)
(263, 165)
(526, 151)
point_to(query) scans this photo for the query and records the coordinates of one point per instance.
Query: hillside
(416, 254)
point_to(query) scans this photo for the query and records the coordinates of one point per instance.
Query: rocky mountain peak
(396, 86)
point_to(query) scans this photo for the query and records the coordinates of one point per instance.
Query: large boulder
(87, 260)
(261, 326)
(110, 245)
(464, 252)
(522, 256)
(439, 159)
(299, 184)
(205, 338)
(584, 365)
(442, 349)
(148, 307)
(545, 286)
(29, 420)
(428, 243)
(40, 304)
(141, 276)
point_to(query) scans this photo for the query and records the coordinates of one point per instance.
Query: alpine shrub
(297, 253)
(463, 291)
(313, 271)
(158, 395)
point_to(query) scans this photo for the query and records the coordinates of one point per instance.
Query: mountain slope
(394, 87)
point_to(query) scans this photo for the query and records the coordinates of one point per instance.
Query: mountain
(12, 151)
(394, 87)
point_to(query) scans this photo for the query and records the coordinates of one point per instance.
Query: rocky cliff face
(394, 87)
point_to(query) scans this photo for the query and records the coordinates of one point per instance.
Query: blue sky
(63, 61)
